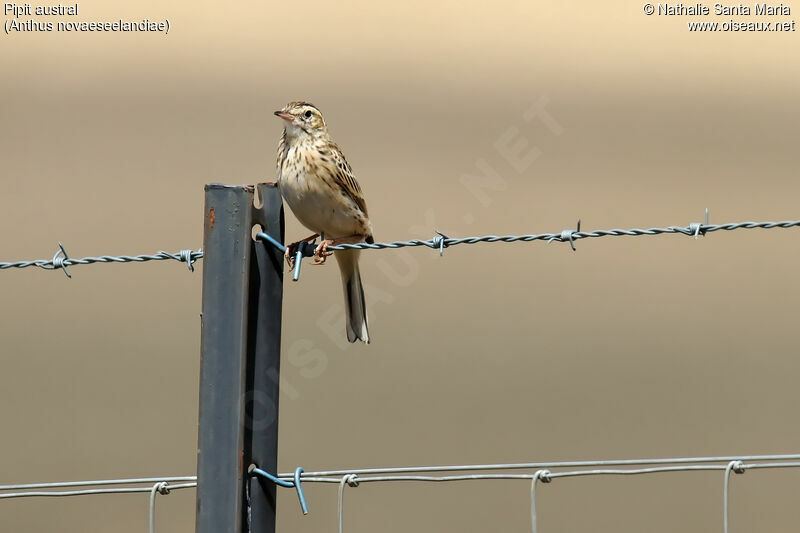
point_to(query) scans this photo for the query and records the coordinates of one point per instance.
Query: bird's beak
(284, 116)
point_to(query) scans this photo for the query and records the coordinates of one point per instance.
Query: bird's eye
(307, 114)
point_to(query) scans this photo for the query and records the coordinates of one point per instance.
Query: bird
(318, 185)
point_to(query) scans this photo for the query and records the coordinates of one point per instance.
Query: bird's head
(302, 118)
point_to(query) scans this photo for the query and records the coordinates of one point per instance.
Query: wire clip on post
(254, 470)
(267, 237)
(304, 249)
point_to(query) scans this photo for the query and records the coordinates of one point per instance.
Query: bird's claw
(321, 252)
(291, 253)
(292, 249)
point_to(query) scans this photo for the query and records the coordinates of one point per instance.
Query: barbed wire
(695, 229)
(61, 260)
(441, 241)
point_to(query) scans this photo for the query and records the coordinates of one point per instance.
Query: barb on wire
(567, 235)
(61, 260)
(58, 261)
(439, 240)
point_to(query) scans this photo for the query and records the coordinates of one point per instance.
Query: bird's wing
(344, 178)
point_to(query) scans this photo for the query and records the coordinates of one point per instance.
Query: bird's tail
(355, 307)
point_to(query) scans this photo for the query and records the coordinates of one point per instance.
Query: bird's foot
(321, 252)
(291, 249)
(289, 254)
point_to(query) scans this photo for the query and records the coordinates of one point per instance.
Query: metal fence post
(240, 367)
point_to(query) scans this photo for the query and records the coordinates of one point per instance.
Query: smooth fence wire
(544, 474)
(534, 473)
(154, 485)
(60, 261)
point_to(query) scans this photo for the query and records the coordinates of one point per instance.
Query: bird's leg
(321, 252)
(291, 250)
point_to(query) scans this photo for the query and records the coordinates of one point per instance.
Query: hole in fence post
(256, 230)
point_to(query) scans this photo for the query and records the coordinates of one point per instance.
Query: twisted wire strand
(184, 256)
(569, 235)
(61, 260)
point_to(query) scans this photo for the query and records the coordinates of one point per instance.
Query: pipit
(318, 184)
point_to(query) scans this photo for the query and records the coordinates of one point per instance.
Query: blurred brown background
(629, 348)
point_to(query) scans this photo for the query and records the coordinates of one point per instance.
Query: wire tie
(352, 481)
(161, 488)
(270, 239)
(254, 470)
(739, 468)
(58, 261)
(304, 249)
(544, 477)
(299, 487)
(439, 241)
